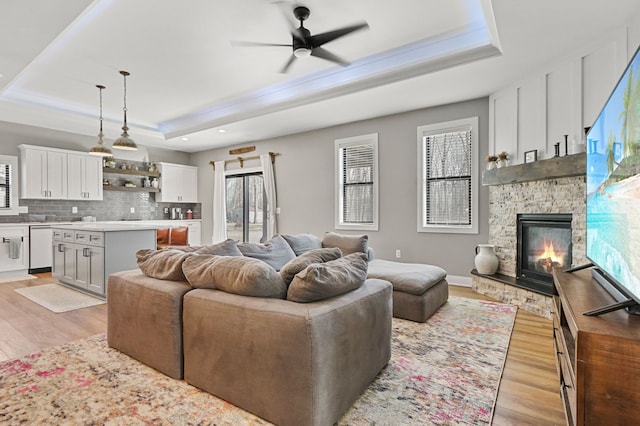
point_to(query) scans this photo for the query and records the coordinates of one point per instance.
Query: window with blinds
(8, 185)
(447, 154)
(357, 182)
(5, 186)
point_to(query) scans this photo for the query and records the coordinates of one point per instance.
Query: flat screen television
(613, 193)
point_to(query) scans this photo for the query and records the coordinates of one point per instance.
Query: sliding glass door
(246, 208)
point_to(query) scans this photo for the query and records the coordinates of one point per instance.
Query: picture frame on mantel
(531, 156)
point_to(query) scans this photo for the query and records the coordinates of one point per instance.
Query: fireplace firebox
(544, 242)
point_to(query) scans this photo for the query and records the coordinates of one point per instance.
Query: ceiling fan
(304, 44)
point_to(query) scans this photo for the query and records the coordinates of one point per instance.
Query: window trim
(439, 128)
(13, 209)
(369, 139)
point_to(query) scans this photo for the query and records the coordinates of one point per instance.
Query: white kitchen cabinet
(16, 259)
(178, 183)
(43, 173)
(84, 173)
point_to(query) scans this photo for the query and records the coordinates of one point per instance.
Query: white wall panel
(504, 121)
(531, 119)
(561, 105)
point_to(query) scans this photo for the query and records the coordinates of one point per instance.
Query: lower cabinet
(84, 259)
(14, 248)
(89, 268)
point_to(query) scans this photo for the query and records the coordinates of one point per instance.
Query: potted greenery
(491, 161)
(503, 158)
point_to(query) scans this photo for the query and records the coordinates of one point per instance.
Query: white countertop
(106, 227)
(145, 222)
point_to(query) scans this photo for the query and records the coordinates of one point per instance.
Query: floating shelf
(130, 172)
(129, 189)
(552, 168)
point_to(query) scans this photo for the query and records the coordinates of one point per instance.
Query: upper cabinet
(57, 174)
(84, 173)
(43, 173)
(178, 183)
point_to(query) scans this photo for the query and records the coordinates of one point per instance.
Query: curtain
(219, 204)
(270, 190)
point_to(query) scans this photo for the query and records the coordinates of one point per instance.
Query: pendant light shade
(124, 142)
(99, 148)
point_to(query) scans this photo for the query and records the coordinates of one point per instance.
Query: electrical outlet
(74, 209)
(23, 209)
(398, 254)
(132, 209)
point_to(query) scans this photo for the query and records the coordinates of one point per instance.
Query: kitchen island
(85, 254)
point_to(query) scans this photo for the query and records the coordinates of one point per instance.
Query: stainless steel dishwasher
(40, 248)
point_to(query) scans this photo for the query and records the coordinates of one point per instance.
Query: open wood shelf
(129, 189)
(552, 168)
(130, 172)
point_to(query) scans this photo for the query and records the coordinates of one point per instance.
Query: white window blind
(447, 156)
(8, 185)
(357, 186)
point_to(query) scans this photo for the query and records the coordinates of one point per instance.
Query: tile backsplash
(115, 205)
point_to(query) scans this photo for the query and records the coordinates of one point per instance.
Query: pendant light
(124, 142)
(99, 148)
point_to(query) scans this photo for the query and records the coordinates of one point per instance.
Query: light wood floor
(528, 394)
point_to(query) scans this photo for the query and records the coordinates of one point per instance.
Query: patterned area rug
(446, 371)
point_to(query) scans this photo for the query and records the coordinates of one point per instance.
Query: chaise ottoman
(418, 289)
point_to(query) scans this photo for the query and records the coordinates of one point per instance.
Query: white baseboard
(459, 281)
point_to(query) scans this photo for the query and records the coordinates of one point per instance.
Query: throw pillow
(296, 265)
(302, 243)
(234, 274)
(162, 264)
(347, 243)
(227, 247)
(320, 281)
(276, 252)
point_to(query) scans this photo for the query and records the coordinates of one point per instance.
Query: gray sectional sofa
(291, 363)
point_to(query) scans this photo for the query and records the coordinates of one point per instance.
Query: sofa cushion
(239, 275)
(347, 243)
(227, 247)
(320, 281)
(163, 264)
(296, 265)
(302, 243)
(276, 252)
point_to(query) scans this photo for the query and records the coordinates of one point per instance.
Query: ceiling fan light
(302, 52)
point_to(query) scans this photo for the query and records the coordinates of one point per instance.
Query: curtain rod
(243, 159)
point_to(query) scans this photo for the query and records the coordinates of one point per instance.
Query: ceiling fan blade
(285, 9)
(288, 64)
(320, 39)
(320, 52)
(257, 43)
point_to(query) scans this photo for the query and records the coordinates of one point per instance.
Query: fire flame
(549, 258)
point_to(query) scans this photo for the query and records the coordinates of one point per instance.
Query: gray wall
(305, 180)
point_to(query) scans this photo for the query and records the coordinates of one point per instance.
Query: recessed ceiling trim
(469, 44)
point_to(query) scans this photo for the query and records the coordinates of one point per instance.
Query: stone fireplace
(553, 187)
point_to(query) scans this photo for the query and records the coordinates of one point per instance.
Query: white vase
(486, 260)
(491, 165)
(502, 163)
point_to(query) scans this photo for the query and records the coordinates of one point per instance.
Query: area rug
(58, 298)
(446, 371)
(22, 277)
